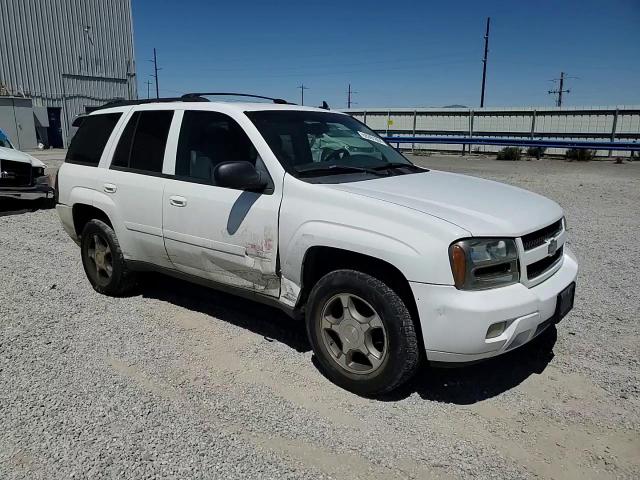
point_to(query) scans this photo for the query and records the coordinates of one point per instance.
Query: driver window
(208, 139)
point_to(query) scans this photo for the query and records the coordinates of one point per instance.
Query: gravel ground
(183, 382)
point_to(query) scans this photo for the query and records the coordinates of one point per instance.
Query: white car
(21, 175)
(387, 262)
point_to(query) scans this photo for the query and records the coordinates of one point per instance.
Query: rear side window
(143, 141)
(89, 141)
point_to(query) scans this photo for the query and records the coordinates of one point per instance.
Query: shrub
(509, 153)
(536, 152)
(579, 154)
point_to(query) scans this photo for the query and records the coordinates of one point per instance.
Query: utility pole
(148, 87)
(155, 72)
(484, 62)
(350, 96)
(302, 89)
(560, 89)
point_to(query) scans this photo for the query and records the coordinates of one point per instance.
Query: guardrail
(513, 142)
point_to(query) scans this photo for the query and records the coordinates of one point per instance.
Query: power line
(148, 82)
(302, 89)
(458, 55)
(484, 62)
(350, 97)
(155, 72)
(560, 90)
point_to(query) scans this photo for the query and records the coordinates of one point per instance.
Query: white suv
(311, 211)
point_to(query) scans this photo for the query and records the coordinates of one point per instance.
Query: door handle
(110, 188)
(177, 201)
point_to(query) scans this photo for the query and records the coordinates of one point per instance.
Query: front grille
(537, 238)
(538, 268)
(15, 174)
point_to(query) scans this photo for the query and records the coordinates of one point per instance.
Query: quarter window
(142, 144)
(208, 139)
(90, 139)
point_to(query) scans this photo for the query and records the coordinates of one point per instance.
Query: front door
(225, 235)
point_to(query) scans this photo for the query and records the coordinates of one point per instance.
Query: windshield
(4, 141)
(324, 143)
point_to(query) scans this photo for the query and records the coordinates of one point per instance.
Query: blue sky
(400, 53)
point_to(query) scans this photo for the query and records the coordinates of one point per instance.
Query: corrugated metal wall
(67, 53)
(572, 123)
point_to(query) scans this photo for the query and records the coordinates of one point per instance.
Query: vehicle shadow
(269, 322)
(465, 385)
(13, 206)
(457, 385)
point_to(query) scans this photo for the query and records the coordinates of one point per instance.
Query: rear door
(226, 235)
(135, 183)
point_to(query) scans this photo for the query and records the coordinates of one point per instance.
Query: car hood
(18, 156)
(482, 207)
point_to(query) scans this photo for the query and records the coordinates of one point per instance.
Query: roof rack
(191, 96)
(187, 97)
(124, 103)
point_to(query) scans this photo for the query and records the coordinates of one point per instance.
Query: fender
(359, 240)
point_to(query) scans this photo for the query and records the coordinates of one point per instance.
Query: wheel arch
(320, 260)
(83, 213)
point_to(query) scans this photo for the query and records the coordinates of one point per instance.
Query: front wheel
(361, 332)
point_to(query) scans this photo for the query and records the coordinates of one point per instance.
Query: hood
(18, 156)
(482, 207)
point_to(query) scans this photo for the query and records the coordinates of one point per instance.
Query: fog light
(496, 329)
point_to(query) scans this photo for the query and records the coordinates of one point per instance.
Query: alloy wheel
(353, 333)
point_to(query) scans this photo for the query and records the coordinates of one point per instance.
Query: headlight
(480, 263)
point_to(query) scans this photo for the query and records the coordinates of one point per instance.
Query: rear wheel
(103, 260)
(361, 332)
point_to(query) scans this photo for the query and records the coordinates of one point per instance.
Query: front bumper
(34, 192)
(455, 322)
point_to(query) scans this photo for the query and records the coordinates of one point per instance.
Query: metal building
(67, 56)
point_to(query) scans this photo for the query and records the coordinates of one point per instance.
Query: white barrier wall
(572, 123)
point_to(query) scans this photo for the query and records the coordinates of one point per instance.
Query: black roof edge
(189, 96)
(124, 103)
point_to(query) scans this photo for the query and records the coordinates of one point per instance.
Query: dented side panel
(225, 235)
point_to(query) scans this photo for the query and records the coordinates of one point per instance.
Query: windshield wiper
(398, 165)
(330, 169)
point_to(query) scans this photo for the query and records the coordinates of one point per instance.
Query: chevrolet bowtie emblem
(553, 246)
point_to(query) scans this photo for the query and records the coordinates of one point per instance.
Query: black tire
(121, 281)
(46, 203)
(402, 347)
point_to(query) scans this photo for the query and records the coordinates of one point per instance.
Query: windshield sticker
(372, 138)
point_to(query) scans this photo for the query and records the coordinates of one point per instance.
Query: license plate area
(564, 303)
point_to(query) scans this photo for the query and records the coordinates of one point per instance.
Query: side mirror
(239, 176)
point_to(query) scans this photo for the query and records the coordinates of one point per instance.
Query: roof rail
(189, 96)
(124, 103)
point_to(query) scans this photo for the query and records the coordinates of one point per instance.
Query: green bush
(509, 153)
(536, 152)
(580, 154)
